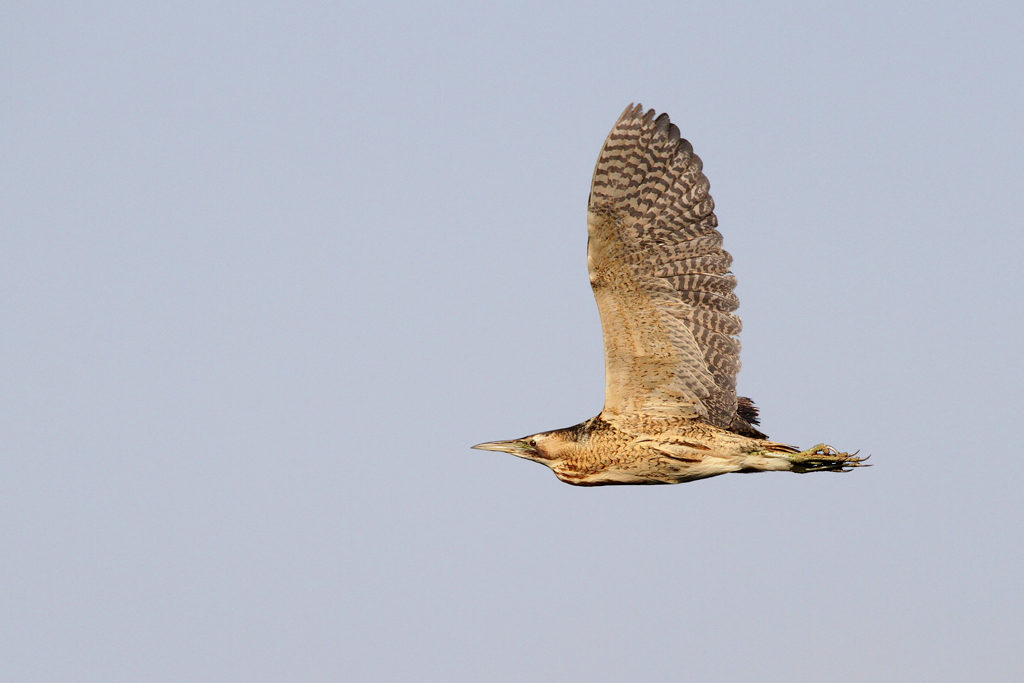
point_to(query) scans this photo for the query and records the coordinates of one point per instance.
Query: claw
(823, 457)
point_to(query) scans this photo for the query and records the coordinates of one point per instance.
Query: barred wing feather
(662, 282)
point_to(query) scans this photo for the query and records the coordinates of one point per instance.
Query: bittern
(665, 294)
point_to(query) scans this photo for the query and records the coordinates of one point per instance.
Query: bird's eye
(533, 443)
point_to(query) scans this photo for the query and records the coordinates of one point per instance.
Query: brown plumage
(665, 293)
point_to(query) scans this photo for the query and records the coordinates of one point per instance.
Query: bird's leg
(824, 458)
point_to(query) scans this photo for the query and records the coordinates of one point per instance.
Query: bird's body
(663, 286)
(597, 452)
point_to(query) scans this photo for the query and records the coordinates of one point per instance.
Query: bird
(664, 290)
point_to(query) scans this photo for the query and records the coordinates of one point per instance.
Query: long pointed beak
(500, 446)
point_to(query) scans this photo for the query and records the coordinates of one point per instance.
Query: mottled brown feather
(662, 282)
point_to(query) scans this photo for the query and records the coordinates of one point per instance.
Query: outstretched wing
(662, 280)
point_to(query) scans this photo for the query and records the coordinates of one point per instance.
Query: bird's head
(546, 448)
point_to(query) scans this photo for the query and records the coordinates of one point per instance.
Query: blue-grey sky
(267, 270)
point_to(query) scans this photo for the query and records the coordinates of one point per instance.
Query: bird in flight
(665, 293)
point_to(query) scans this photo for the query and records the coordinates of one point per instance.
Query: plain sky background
(268, 270)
